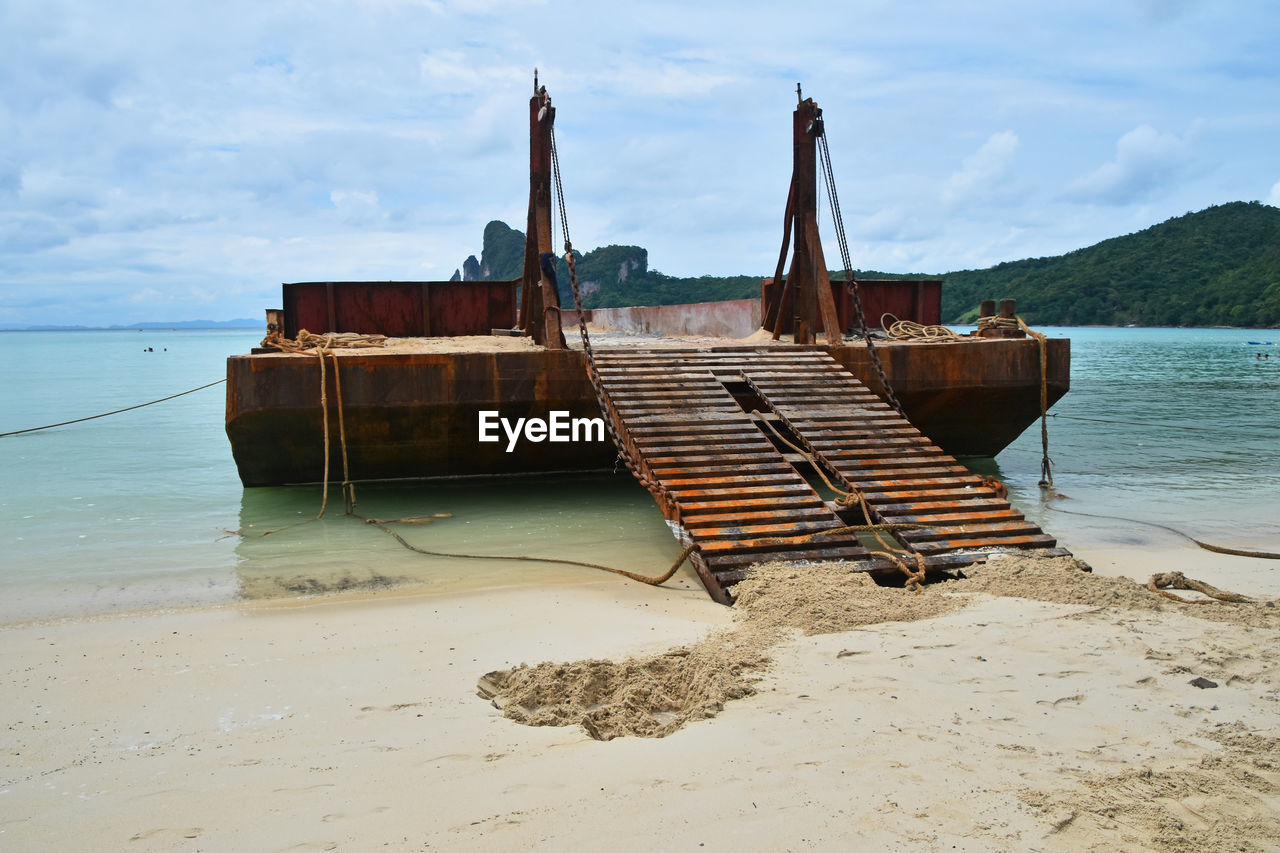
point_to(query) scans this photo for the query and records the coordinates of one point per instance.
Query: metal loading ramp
(733, 492)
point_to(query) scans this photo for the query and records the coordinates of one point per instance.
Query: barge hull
(415, 415)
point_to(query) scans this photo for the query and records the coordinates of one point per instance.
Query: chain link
(847, 259)
(593, 373)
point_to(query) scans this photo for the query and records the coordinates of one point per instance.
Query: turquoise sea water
(1175, 426)
(144, 509)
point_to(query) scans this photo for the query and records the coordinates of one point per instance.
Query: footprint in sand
(302, 790)
(399, 706)
(168, 832)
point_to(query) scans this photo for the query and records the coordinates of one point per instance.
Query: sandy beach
(1030, 707)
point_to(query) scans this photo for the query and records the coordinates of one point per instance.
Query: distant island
(1217, 267)
(241, 323)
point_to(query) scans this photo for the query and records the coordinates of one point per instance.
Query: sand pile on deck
(463, 343)
(656, 695)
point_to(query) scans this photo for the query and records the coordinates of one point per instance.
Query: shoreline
(994, 724)
(1107, 557)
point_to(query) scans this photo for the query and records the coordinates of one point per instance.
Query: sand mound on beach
(1062, 580)
(648, 697)
(656, 695)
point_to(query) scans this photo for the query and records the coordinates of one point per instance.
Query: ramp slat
(733, 490)
(903, 477)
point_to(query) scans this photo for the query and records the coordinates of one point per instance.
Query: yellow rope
(307, 341)
(998, 322)
(1046, 464)
(320, 346)
(910, 330)
(348, 489)
(324, 418)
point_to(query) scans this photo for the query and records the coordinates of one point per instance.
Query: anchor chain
(847, 259)
(593, 373)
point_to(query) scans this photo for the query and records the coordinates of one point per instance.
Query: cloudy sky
(173, 161)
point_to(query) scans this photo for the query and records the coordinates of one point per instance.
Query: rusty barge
(411, 409)
(724, 426)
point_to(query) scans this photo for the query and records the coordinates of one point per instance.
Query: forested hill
(1217, 267)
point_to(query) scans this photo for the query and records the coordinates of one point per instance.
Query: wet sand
(985, 714)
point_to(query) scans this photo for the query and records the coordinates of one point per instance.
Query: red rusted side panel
(920, 301)
(474, 308)
(400, 308)
(392, 308)
(305, 307)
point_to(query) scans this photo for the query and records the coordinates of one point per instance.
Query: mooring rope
(1215, 430)
(320, 346)
(324, 419)
(1208, 546)
(1046, 464)
(851, 498)
(381, 524)
(116, 412)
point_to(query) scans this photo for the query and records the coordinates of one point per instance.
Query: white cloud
(1274, 198)
(982, 170)
(890, 224)
(353, 198)
(1146, 162)
(375, 138)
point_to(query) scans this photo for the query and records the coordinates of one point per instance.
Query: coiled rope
(910, 330)
(307, 341)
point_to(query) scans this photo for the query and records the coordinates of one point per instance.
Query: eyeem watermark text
(559, 427)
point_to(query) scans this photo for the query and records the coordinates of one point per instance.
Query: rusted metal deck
(685, 415)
